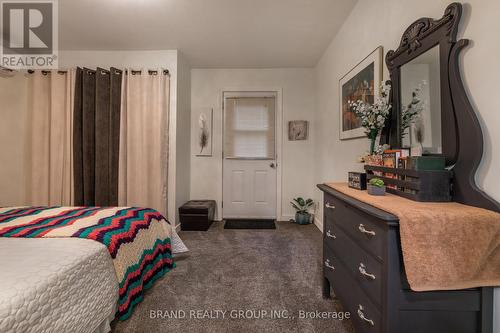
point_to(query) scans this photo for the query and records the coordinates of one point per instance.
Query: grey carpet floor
(232, 270)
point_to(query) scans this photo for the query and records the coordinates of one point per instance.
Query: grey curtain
(96, 126)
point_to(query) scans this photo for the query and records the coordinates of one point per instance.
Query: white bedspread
(55, 285)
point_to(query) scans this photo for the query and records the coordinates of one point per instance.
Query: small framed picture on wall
(298, 130)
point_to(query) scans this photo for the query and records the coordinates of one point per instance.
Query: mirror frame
(462, 138)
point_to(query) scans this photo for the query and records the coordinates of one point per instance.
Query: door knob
(272, 165)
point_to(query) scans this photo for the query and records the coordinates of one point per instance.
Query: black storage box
(357, 180)
(197, 215)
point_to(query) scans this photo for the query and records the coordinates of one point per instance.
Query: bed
(56, 285)
(74, 269)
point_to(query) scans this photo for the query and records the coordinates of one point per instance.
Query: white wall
(374, 23)
(183, 147)
(13, 126)
(297, 86)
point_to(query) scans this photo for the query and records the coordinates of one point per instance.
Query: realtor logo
(29, 34)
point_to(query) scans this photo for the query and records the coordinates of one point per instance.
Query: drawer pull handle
(327, 264)
(329, 234)
(363, 230)
(329, 205)
(363, 317)
(362, 271)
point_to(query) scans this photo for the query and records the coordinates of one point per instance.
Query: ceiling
(210, 33)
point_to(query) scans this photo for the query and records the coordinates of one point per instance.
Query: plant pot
(375, 190)
(302, 218)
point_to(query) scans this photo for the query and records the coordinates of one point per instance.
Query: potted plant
(302, 216)
(376, 186)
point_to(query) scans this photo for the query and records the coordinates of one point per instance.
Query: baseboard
(286, 218)
(318, 224)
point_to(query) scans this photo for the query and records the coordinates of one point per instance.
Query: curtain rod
(45, 72)
(6, 69)
(6, 72)
(150, 71)
(133, 72)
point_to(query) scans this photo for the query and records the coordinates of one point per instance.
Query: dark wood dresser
(362, 263)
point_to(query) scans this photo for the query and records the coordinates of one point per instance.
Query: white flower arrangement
(373, 116)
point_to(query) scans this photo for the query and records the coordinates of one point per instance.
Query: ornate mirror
(420, 103)
(426, 79)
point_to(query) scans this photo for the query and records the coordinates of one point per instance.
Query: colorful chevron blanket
(138, 240)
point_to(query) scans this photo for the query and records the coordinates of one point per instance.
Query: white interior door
(249, 160)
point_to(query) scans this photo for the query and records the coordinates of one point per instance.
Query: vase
(372, 146)
(302, 218)
(372, 136)
(375, 190)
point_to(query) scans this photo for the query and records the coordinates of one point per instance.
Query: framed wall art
(298, 130)
(360, 83)
(205, 132)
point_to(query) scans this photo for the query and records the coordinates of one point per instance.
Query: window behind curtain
(249, 127)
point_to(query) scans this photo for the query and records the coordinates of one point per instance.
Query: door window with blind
(249, 127)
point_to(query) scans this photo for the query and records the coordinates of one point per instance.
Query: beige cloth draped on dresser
(50, 142)
(143, 157)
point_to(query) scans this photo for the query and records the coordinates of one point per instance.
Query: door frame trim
(279, 138)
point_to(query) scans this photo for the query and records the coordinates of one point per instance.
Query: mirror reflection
(421, 103)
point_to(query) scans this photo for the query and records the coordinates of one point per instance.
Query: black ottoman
(197, 215)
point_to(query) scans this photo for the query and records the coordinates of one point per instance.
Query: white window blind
(249, 127)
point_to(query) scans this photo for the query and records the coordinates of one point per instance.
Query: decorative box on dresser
(363, 264)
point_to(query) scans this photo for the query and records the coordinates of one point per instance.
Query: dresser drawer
(363, 228)
(365, 316)
(364, 269)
